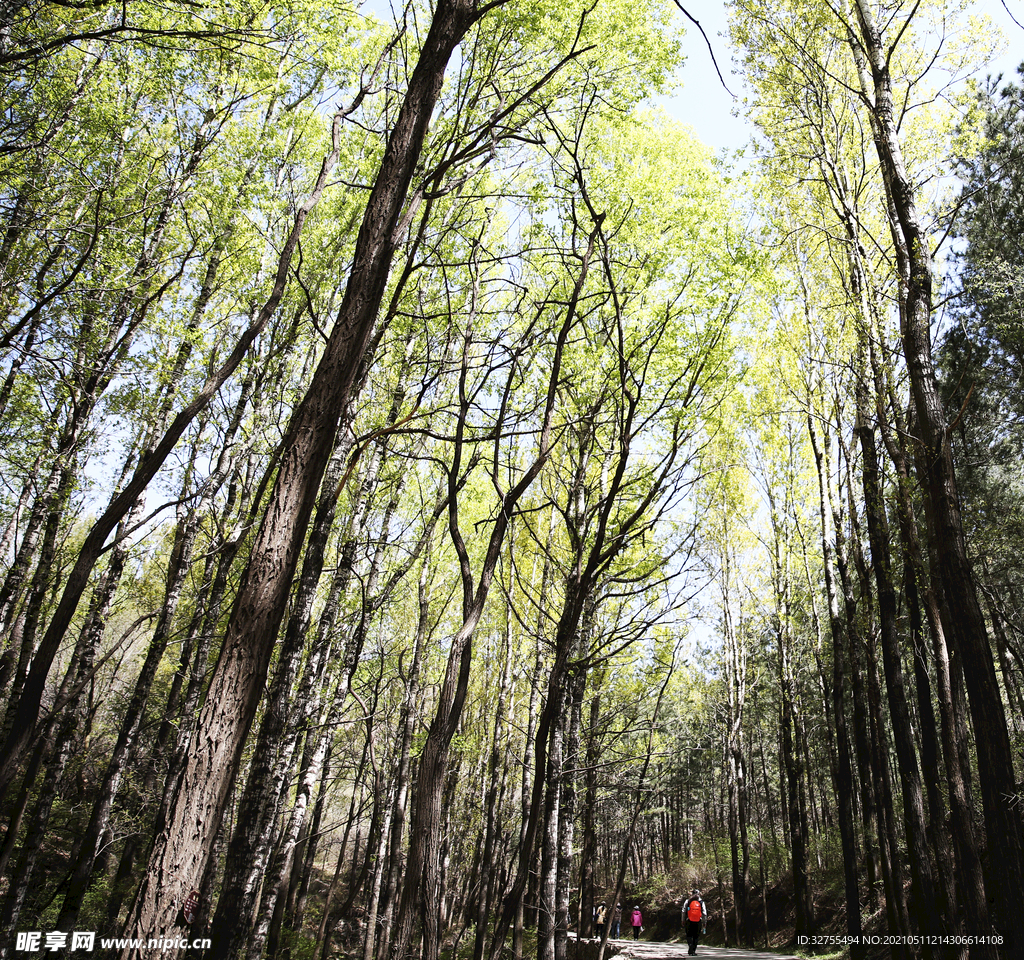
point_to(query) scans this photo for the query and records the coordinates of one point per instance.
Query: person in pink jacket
(637, 919)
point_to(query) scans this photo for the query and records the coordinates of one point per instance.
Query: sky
(705, 105)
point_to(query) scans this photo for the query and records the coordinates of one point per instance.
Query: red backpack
(693, 911)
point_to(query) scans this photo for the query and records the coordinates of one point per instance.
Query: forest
(439, 493)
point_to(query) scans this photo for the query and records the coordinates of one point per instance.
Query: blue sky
(708, 108)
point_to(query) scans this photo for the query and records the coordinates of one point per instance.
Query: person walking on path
(637, 920)
(616, 921)
(601, 917)
(695, 915)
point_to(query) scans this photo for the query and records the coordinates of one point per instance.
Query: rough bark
(179, 856)
(922, 871)
(864, 660)
(249, 847)
(966, 630)
(963, 884)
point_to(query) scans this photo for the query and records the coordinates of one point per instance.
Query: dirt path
(643, 950)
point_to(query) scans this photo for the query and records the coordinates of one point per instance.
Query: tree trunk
(275, 888)
(181, 555)
(923, 893)
(179, 856)
(422, 877)
(491, 812)
(57, 746)
(329, 918)
(306, 856)
(736, 680)
(964, 890)
(20, 880)
(793, 773)
(519, 917)
(549, 840)
(23, 631)
(861, 733)
(588, 852)
(249, 847)
(966, 629)
(892, 864)
(407, 727)
(844, 782)
(567, 805)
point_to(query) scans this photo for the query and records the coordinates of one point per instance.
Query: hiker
(599, 918)
(616, 921)
(637, 920)
(695, 916)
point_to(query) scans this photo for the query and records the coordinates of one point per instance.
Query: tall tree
(872, 48)
(180, 855)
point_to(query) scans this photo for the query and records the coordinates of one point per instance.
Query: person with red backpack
(695, 915)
